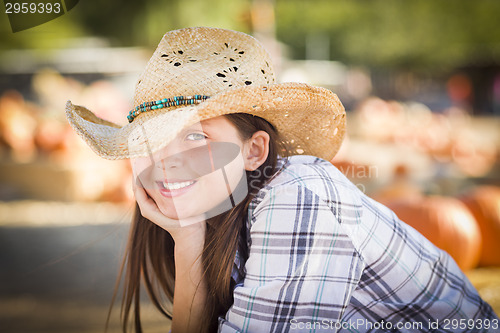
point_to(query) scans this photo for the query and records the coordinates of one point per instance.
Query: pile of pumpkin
(469, 144)
(466, 226)
(30, 131)
(37, 136)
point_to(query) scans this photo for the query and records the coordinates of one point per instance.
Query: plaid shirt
(323, 257)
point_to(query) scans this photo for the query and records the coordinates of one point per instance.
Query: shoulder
(307, 191)
(311, 176)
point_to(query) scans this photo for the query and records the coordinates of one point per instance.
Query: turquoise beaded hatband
(165, 103)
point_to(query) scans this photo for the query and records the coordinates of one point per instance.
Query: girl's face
(201, 173)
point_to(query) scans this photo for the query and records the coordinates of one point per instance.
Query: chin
(168, 212)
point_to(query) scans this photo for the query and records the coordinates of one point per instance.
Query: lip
(175, 192)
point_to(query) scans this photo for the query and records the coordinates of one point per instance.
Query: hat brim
(310, 119)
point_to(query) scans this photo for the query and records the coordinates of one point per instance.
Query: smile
(177, 186)
(173, 189)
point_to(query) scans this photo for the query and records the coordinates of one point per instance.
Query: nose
(170, 157)
(172, 162)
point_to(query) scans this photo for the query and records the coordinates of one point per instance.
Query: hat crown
(203, 61)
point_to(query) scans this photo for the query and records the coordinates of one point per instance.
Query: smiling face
(201, 173)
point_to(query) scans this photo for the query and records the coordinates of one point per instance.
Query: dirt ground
(487, 282)
(61, 280)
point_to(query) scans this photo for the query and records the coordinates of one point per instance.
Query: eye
(195, 136)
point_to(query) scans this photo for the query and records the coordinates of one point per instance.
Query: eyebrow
(189, 129)
(205, 124)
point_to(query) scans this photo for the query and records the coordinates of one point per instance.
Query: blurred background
(420, 81)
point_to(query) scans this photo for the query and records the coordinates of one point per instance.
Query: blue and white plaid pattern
(323, 257)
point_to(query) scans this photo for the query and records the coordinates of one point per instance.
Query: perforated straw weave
(235, 71)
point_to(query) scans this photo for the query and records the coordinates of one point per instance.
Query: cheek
(236, 169)
(211, 188)
(139, 165)
(218, 186)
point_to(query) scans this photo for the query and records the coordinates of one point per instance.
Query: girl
(241, 221)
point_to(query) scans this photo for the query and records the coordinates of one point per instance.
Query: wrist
(188, 244)
(191, 234)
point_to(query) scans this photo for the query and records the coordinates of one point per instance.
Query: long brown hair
(149, 255)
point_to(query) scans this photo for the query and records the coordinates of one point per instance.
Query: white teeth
(176, 186)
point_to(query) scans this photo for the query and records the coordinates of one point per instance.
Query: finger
(149, 209)
(145, 202)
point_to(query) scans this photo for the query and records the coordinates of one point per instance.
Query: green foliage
(409, 34)
(127, 23)
(413, 34)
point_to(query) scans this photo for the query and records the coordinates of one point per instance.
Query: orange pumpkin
(484, 203)
(446, 222)
(400, 187)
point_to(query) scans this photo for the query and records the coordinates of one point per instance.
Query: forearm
(190, 288)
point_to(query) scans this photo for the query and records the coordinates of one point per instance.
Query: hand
(149, 209)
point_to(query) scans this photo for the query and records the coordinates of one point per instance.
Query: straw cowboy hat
(201, 73)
